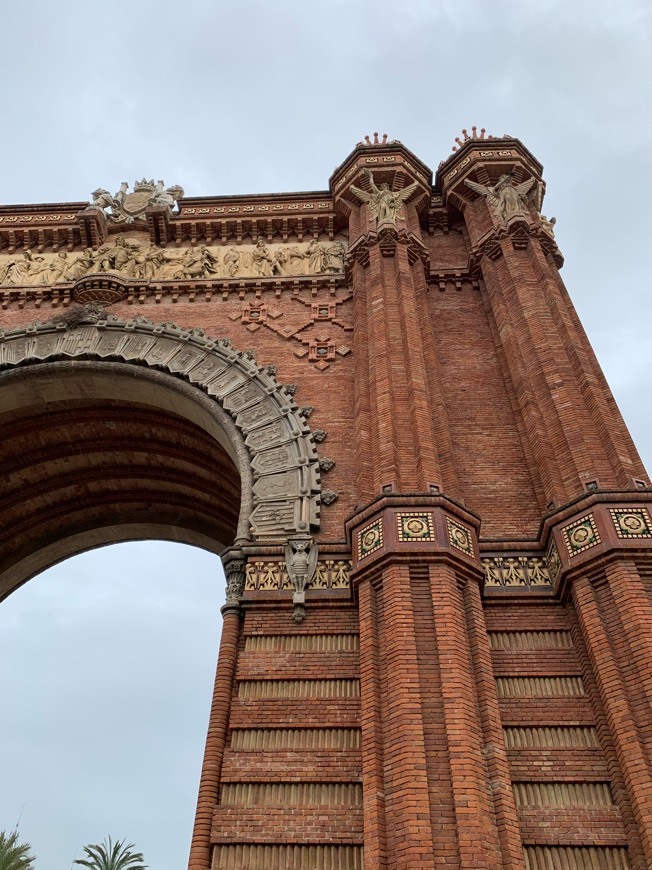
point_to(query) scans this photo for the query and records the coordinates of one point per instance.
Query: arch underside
(117, 432)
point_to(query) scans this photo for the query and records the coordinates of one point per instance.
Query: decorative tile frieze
(332, 574)
(631, 522)
(415, 526)
(370, 539)
(271, 576)
(581, 535)
(520, 570)
(460, 537)
(266, 576)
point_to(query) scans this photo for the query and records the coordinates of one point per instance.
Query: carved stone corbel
(301, 562)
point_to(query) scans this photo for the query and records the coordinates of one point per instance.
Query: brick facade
(466, 680)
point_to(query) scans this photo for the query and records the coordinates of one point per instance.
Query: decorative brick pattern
(581, 535)
(576, 858)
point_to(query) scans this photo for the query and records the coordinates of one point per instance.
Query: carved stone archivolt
(131, 257)
(282, 453)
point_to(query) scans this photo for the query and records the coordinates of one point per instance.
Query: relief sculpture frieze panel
(132, 256)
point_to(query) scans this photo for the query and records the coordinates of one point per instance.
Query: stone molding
(283, 457)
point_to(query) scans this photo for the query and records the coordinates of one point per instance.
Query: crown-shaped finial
(376, 141)
(474, 135)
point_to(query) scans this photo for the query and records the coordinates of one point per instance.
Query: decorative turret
(498, 185)
(382, 188)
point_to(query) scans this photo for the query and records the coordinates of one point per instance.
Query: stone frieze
(133, 258)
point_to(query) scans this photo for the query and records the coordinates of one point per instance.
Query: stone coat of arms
(125, 208)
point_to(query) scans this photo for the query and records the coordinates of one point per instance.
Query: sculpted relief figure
(548, 226)
(198, 263)
(301, 564)
(384, 203)
(261, 260)
(122, 257)
(505, 199)
(125, 208)
(137, 259)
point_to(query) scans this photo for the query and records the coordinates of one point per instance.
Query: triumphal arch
(377, 403)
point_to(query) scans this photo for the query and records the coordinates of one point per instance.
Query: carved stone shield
(135, 203)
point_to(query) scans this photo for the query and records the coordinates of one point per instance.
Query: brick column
(200, 848)
(615, 615)
(372, 729)
(477, 835)
(494, 751)
(409, 830)
(436, 781)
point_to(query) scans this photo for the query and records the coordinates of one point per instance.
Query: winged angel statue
(383, 202)
(505, 199)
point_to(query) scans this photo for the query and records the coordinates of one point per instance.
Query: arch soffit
(286, 486)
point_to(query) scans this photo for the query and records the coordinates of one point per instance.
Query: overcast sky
(106, 662)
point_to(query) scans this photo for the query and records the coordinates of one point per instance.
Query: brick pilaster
(200, 849)
(621, 660)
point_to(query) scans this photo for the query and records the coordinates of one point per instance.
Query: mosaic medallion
(581, 535)
(370, 539)
(415, 527)
(460, 537)
(632, 522)
(553, 560)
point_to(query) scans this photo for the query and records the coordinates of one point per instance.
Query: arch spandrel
(282, 457)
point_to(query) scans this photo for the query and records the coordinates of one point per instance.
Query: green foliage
(111, 856)
(14, 855)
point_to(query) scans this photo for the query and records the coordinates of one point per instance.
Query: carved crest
(125, 208)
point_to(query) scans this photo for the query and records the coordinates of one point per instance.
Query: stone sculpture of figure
(4, 270)
(166, 196)
(25, 270)
(198, 263)
(262, 261)
(335, 257)
(384, 202)
(301, 562)
(152, 265)
(232, 262)
(296, 259)
(58, 268)
(81, 265)
(317, 257)
(120, 257)
(548, 226)
(102, 199)
(505, 199)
